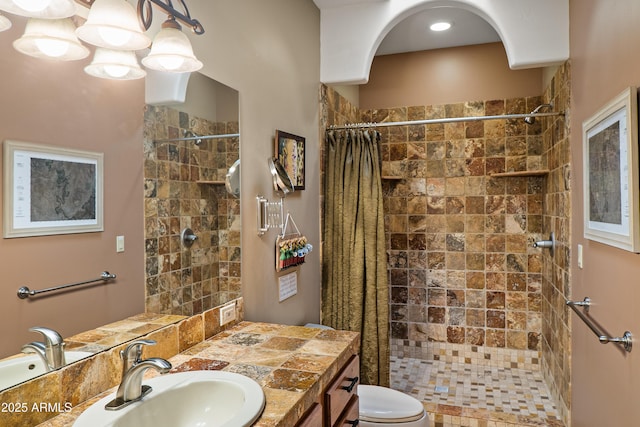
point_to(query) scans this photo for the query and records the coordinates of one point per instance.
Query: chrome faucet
(51, 351)
(131, 388)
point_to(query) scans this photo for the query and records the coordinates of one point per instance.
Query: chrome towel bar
(626, 340)
(25, 292)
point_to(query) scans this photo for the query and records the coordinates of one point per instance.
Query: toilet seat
(385, 405)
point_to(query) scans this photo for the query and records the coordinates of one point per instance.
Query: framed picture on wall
(290, 152)
(51, 190)
(610, 161)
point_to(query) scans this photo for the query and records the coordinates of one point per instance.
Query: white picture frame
(51, 190)
(610, 163)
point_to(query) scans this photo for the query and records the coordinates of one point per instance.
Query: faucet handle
(50, 336)
(132, 354)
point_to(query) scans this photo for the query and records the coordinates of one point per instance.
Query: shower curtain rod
(445, 120)
(195, 138)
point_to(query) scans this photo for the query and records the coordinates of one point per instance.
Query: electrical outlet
(227, 313)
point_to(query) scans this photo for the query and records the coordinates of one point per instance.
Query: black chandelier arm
(145, 14)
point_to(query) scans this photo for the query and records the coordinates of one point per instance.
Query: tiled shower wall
(556, 279)
(462, 267)
(181, 280)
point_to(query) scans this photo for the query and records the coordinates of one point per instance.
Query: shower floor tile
(462, 394)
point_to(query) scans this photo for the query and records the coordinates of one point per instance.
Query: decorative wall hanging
(51, 190)
(291, 248)
(610, 160)
(290, 152)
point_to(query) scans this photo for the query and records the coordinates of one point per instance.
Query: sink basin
(20, 369)
(194, 399)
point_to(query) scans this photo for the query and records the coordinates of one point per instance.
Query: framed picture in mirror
(290, 152)
(610, 161)
(51, 190)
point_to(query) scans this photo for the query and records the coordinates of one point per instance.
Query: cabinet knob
(349, 388)
(354, 423)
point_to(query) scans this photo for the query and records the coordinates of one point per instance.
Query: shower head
(191, 134)
(531, 119)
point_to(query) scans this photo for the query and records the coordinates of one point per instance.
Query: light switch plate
(119, 243)
(580, 263)
(227, 313)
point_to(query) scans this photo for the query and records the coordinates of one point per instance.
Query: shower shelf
(521, 173)
(391, 178)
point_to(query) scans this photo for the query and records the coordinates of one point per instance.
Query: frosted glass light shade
(115, 65)
(51, 38)
(5, 24)
(113, 24)
(171, 51)
(46, 9)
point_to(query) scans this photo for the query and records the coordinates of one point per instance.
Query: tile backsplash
(65, 388)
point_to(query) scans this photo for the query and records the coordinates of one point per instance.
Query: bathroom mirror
(232, 180)
(206, 165)
(281, 182)
(223, 260)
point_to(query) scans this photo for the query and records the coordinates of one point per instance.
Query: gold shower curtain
(355, 294)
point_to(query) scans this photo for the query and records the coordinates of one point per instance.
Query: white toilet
(385, 407)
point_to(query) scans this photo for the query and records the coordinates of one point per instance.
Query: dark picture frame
(290, 152)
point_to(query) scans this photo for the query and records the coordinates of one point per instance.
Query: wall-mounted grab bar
(25, 292)
(625, 340)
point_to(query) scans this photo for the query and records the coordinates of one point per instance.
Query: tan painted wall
(58, 104)
(605, 381)
(270, 52)
(446, 76)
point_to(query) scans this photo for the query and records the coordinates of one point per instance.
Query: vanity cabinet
(350, 416)
(338, 404)
(312, 418)
(341, 398)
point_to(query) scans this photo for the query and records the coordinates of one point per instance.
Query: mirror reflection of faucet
(51, 351)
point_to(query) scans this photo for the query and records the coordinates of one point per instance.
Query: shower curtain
(355, 294)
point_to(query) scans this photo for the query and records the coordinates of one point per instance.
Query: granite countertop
(293, 364)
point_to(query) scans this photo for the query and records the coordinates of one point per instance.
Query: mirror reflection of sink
(194, 398)
(22, 368)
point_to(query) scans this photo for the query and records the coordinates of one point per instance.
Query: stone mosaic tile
(190, 332)
(197, 364)
(309, 362)
(283, 343)
(257, 373)
(468, 394)
(291, 380)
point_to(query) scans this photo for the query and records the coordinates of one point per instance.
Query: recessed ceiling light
(440, 26)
